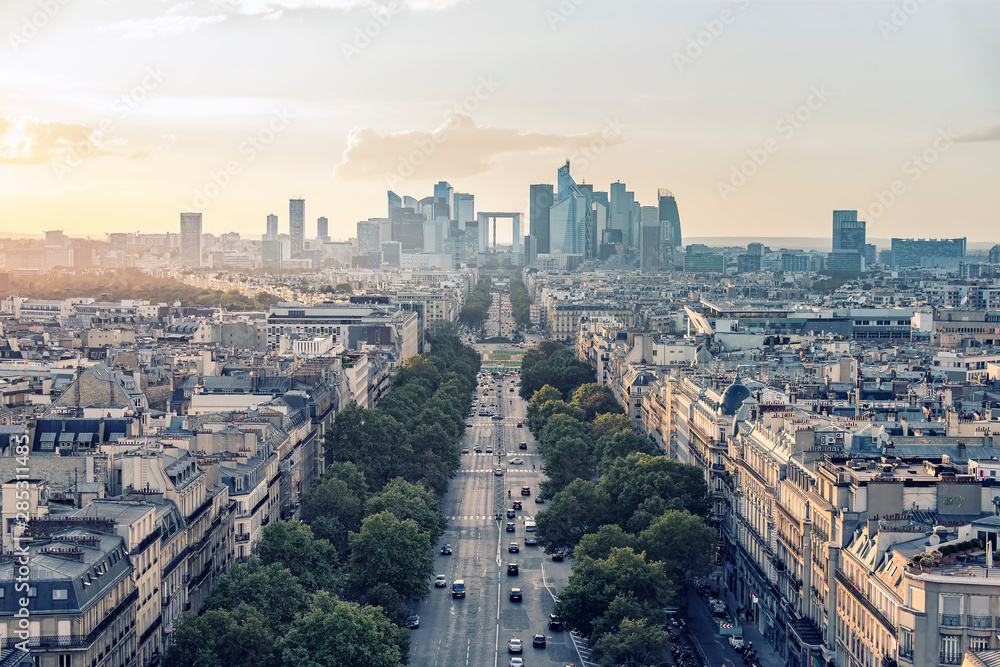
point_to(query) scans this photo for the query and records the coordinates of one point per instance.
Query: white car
(515, 645)
(440, 581)
(515, 462)
(736, 641)
(516, 662)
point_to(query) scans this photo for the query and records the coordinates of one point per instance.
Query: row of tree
(633, 519)
(550, 363)
(333, 590)
(520, 302)
(477, 306)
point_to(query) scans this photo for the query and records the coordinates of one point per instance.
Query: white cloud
(162, 25)
(982, 134)
(31, 141)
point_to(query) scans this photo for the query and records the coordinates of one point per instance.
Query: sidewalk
(765, 652)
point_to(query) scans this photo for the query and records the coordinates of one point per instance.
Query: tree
(595, 399)
(292, 545)
(594, 586)
(683, 542)
(559, 407)
(344, 288)
(599, 545)
(222, 638)
(609, 424)
(270, 588)
(538, 399)
(408, 500)
(392, 552)
(575, 511)
(343, 633)
(637, 641)
(567, 459)
(643, 487)
(620, 445)
(333, 509)
(373, 440)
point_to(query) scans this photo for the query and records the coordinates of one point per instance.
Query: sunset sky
(761, 116)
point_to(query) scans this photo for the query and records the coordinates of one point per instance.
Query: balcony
(242, 537)
(951, 659)
(951, 620)
(980, 621)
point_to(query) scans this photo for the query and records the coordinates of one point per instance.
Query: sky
(760, 116)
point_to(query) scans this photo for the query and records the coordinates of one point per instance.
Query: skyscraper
(542, 198)
(570, 216)
(442, 200)
(464, 209)
(369, 236)
(649, 247)
(848, 232)
(670, 228)
(191, 240)
(322, 229)
(620, 212)
(297, 226)
(272, 228)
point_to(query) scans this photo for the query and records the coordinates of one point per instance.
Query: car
(510, 527)
(465, 450)
(489, 450)
(497, 418)
(530, 541)
(479, 450)
(514, 645)
(468, 424)
(413, 622)
(520, 424)
(458, 588)
(440, 581)
(523, 445)
(513, 548)
(555, 623)
(512, 390)
(539, 500)
(515, 462)
(558, 556)
(498, 472)
(516, 662)
(516, 504)
(538, 641)
(525, 490)
(512, 570)
(736, 641)
(515, 595)
(511, 514)
(446, 550)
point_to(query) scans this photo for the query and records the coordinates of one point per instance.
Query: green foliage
(609, 424)
(520, 302)
(636, 642)
(575, 511)
(343, 633)
(271, 589)
(291, 545)
(684, 543)
(222, 638)
(643, 487)
(391, 552)
(372, 440)
(549, 363)
(600, 544)
(601, 591)
(595, 399)
(620, 445)
(477, 306)
(538, 399)
(406, 500)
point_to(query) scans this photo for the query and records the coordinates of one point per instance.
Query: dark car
(523, 445)
(515, 595)
(512, 570)
(538, 641)
(446, 550)
(513, 548)
(530, 541)
(516, 504)
(511, 514)
(539, 500)
(525, 490)
(558, 556)
(555, 623)
(510, 527)
(413, 622)
(520, 425)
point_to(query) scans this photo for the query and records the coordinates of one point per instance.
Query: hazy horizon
(760, 116)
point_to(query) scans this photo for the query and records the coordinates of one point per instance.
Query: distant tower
(297, 226)
(848, 232)
(322, 229)
(272, 228)
(542, 198)
(670, 229)
(190, 240)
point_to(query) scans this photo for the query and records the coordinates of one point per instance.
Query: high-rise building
(395, 201)
(927, 252)
(569, 216)
(542, 198)
(464, 209)
(272, 228)
(322, 229)
(442, 200)
(297, 226)
(670, 227)
(848, 232)
(369, 236)
(191, 240)
(530, 250)
(649, 247)
(620, 212)
(408, 228)
(391, 253)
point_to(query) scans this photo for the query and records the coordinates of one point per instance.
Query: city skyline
(899, 123)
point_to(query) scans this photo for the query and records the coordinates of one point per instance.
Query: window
(60, 594)
(33, 592)
(979, 643)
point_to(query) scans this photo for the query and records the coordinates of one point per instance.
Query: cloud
(170, 24)
(458, 148)
(32, 141)
(982, 134)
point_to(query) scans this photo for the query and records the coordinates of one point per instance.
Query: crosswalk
(471, 517)
(582, 649)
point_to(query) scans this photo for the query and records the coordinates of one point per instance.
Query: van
(529, 526)
(458, 588)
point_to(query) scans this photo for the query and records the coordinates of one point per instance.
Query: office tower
(408, 228)
(297, 226)
(755, 249)
(620, 212)
(410, 202)
(272, 228)
(670, 227)
(530, 250)
(270, 254)
(649, 247)
(369, 236)
(395, 201)
(442, 199)
(391, 253)
(848, 232)
(927, 252)
(322, 229)
(464, 210)
(568, 216)
(190, 240)
(434, 235)
(542, 198)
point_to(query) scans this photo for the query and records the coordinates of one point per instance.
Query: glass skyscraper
(191, 240)
(542, 198)
(297, 226)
